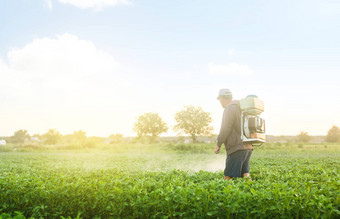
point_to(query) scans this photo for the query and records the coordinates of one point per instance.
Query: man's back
(230, 132)
(238, 153)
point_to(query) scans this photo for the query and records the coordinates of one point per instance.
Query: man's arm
(226, 126)
(217, 149)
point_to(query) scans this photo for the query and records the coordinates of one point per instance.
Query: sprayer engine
(252, 125)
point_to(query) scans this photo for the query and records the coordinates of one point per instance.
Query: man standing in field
(238, 153)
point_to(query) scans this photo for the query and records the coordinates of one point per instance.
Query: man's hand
(217, 149)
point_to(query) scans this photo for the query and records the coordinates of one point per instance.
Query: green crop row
(284, 186)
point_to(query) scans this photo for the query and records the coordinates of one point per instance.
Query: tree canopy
(20, 136)
(150, 124)
(116, 138)
(303, 137)
(52, 136)
(333, 134)
(79, 136)
(193, 121)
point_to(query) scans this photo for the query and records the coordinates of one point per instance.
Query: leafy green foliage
(333, 134)
(79, 136)
(150, 124)
(52, 137)
(19, 136)
(287, 184)
(116, 138)
(193, 121)
(191, 148)
(303, 137)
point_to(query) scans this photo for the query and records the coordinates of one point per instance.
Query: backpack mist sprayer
(252, 125)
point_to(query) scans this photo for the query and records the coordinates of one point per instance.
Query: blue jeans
(237, 163)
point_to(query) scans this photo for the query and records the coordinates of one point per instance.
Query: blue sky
(97, 66)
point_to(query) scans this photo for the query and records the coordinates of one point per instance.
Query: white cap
(224, 92)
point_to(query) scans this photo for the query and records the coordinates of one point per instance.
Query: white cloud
(49, 4)
(231, 51)
(66, 54)
(230, 69)
(97, 4)
(64, 83)
(63, 64)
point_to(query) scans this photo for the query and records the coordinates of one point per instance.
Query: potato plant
(287, 184)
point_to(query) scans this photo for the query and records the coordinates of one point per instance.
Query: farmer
(238, 153)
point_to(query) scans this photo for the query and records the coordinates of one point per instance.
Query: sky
(96, 65)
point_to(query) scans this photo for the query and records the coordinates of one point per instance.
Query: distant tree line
(333, 136)
(192, 121)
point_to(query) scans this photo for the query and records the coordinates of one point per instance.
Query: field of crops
(168, 181)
